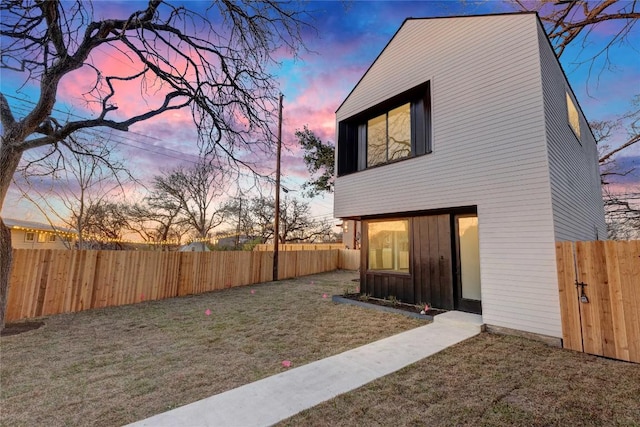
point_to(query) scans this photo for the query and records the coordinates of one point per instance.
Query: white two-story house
(465, 154)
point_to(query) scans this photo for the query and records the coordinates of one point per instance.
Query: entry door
(468, 290)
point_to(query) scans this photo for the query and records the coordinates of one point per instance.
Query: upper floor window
(29, 236)
(389, 136)
(396, 129)
(573, 117)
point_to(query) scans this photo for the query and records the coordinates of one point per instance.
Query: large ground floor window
(426, 257)
(388, 245)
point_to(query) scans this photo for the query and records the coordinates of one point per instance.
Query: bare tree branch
(567, 19)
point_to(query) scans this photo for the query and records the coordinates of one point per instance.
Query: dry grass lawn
(492, 380)
(113, 366)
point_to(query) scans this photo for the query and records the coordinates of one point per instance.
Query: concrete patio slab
(273, 399)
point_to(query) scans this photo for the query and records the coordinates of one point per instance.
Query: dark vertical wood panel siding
(445, 267)
(434, 261)
(415, 253)
(430, 279)
(425, 283)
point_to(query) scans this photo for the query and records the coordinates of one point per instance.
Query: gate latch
(583, 296)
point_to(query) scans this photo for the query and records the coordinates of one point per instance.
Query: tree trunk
(9, 159)
(5, 268)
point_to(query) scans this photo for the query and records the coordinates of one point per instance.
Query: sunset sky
(349, 37)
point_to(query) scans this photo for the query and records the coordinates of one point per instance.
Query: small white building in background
(36, 235)
(194, 247)
(464, 152)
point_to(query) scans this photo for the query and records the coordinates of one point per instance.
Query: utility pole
(239, 221)
(276, 225)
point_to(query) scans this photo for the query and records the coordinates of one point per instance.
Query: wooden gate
(599, 285)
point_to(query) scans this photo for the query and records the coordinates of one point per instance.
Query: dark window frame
(352, 132)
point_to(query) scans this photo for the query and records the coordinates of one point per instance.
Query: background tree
(65, 183)
(319, 158)
(296, 222)
(156, 220)
(104, 225)
(622, 207)
(239, 219)
(198, 191)
(214, 63)
(622, 214)
(262, 215)
(604, 130)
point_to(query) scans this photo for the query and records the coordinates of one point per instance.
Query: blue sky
(349, 37)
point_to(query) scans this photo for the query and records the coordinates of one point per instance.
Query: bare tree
(75, 181)
(239, 219)
(214, 63)
(296, 222)
(605, 130)
(198, 191)
(262, 214)
(622, 206)
(157, 220)
(104, 225)
(622, 213)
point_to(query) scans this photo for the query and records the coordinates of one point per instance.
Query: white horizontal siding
(578, 209)
(488, 150)
(18, 242)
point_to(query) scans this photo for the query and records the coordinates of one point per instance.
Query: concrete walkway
(273, 399)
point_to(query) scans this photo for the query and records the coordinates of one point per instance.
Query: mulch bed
(411, 308)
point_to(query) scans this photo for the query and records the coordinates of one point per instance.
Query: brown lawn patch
(118, 365)
(20, 328)
(492, 380)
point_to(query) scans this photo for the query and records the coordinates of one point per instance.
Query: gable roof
(490, 15)
(423, 19)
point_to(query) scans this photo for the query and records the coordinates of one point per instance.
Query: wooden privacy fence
(599, 284)
(52, 281)
(285, 247)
